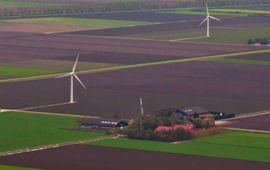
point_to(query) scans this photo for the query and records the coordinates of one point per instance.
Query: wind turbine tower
(207, 20)
(72, 76)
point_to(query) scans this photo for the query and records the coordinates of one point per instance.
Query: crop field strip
(169, 52)
(131, 66)
(257, 59)
(223, 91)
(78, 157)
(255, 123)
(177, 29)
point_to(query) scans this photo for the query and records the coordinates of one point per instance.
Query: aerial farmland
(134, 84)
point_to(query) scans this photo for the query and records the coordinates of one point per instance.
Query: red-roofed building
(188, 127)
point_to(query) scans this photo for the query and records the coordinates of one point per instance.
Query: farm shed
(111, 123)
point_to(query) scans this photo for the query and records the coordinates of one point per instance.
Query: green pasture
(226, 34)
(235, 35)
(23, 130)
(5, 167)
(242, 61)
(45, 67)
(239, 11)
(231, 144)
(10, 71)
(29, 3)
(95, 23)
(219, 11)
(201, 11)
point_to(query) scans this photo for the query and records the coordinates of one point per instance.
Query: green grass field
(10, 71)
(24, 130)
(242, 61)
(218, 34)
(44, 67)
(5, 167)
(29, 4)
(201, 11)
(236, 35)
(240, 11)
(231, 144)
(95, 23)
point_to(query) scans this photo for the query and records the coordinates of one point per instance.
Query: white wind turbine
(207, 19)
(72, 76)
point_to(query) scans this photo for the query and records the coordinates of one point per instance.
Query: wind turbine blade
(75, 64)
(79, 80)
(207, 10)
(203, 21)
(215, 18)
(65, 75)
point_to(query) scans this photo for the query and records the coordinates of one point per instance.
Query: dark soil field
(255, 123)
(81, 157)
(8, 34)
(118, 57)
(106, 49)
(221, 87)
(150, 16)
(231, 22)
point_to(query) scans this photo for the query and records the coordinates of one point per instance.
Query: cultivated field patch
(260, 122)
(213, 86)
(91, 157)
(149, 16)
(230, 30)
(259, 59)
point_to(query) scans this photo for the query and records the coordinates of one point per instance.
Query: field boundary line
(247, 130)
(191, 38)
(247, 115)
(123, 67)
(48, 113)
(44, 147)
(101, 28)
(149, 39)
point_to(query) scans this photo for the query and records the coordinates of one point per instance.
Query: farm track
(39, 148)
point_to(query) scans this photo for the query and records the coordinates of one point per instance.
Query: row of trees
(116, 6)
(262, 41)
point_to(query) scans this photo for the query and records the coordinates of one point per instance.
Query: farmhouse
(104, 123)
(194, 111)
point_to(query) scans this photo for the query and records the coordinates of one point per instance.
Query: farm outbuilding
(109, 123)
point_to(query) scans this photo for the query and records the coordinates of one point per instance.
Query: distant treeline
(122, 5)
(262, 41)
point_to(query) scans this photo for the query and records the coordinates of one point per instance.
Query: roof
(188, 127)
(192, 110)
(104, 122)
(209, 115)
